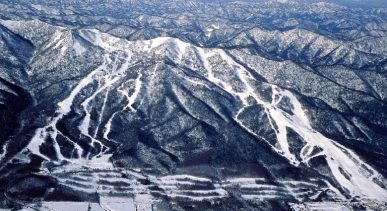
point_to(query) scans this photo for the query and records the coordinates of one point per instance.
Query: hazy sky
(365, 3)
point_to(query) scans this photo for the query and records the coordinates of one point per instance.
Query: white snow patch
(65, 206)
(185, 177)
(158, 41)
(79, 48)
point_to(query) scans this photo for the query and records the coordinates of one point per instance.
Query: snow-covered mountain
(172, 111)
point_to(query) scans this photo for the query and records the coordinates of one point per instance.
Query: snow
(7, 89)
(85, 124)
(339, 158)
(259, 197)
(195, 198)
(210, 76)
(262, 189)
(211, 29)
(65, 105)
(320, 206)
(101, 113)
(63, 50)
(56, 43)
(79, 48)
(171, 185)
(244, 180)
(12, 24)
(185, 177)
(95, 207)
(36, 141)
(260, 186)
(144, 202)
(108, 126)
(65, 206)
(4, 150)
(182, 46)
(298, 183)
(156, 42)
(131, 99)
(102, 40)
(117, 204)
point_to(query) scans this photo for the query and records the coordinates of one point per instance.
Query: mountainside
(175, 105)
